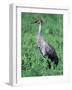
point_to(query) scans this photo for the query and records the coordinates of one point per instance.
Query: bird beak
(35, 22)
(38, 21)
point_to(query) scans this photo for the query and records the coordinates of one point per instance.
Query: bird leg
(49, 64)
(52, 65)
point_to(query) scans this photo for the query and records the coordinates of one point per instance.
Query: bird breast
(42, 45)
(40, 41)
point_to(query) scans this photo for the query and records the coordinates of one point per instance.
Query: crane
(45, 48)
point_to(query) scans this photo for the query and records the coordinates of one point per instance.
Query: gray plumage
(46, 49)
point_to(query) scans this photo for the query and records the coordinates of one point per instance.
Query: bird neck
(39, 31)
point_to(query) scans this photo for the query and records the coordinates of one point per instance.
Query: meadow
(32, 61)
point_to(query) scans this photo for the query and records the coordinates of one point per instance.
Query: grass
(32, 61)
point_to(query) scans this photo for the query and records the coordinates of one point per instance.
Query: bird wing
(50, 50)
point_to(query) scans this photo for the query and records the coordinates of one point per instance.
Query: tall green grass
(32, 61)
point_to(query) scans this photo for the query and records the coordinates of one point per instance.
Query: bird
(46, 49)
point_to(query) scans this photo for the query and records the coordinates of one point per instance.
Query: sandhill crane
(45, 48)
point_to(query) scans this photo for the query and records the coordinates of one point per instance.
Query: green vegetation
(32, 61)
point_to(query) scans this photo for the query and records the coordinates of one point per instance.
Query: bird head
(38, 21)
